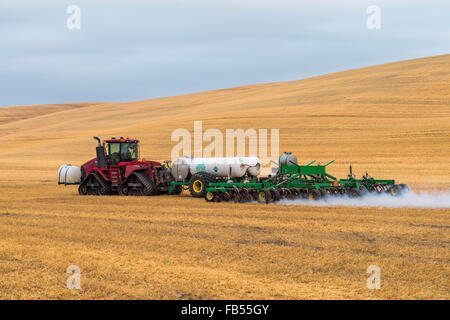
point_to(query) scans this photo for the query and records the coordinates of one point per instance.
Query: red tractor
(117, 169)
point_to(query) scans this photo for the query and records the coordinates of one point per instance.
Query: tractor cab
(114, 151)
(122, 150)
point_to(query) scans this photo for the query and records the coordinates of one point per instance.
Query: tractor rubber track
(149, 185)
(105, 188)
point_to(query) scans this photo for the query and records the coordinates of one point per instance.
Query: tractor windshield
(128, 151)
(122, 152)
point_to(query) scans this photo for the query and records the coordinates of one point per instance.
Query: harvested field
(392, 120)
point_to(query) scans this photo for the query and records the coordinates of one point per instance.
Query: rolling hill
(392, 120)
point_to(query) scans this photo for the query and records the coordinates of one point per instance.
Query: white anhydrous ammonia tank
(235, 167)
(254, 168)
(180, 168)
(69, 174)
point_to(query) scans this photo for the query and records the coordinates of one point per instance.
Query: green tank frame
(299, 180)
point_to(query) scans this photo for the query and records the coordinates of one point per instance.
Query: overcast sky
(130, 50)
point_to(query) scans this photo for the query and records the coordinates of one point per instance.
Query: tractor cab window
(122, 152)
(114, 153)
(128, 151)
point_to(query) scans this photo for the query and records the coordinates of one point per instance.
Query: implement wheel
(332, 191)
(314, 194)
(395, 190)
(210, 196)
(198, 184)
(275, 195)
(354, 193)
(304, 193)
(294, 192)
(264, 196)
(287, 194)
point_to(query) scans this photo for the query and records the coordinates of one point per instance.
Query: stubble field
(392, 120)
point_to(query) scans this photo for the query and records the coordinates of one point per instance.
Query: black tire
(394, 190)
(354, 193)
(314, 194)
(323, 192)
(198, 184)
(264, 196)
(275, 195)
(210, 196)
(287, 194)
(294, 192)
(304, 193)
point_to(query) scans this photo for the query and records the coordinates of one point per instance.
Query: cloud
(138, 50)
